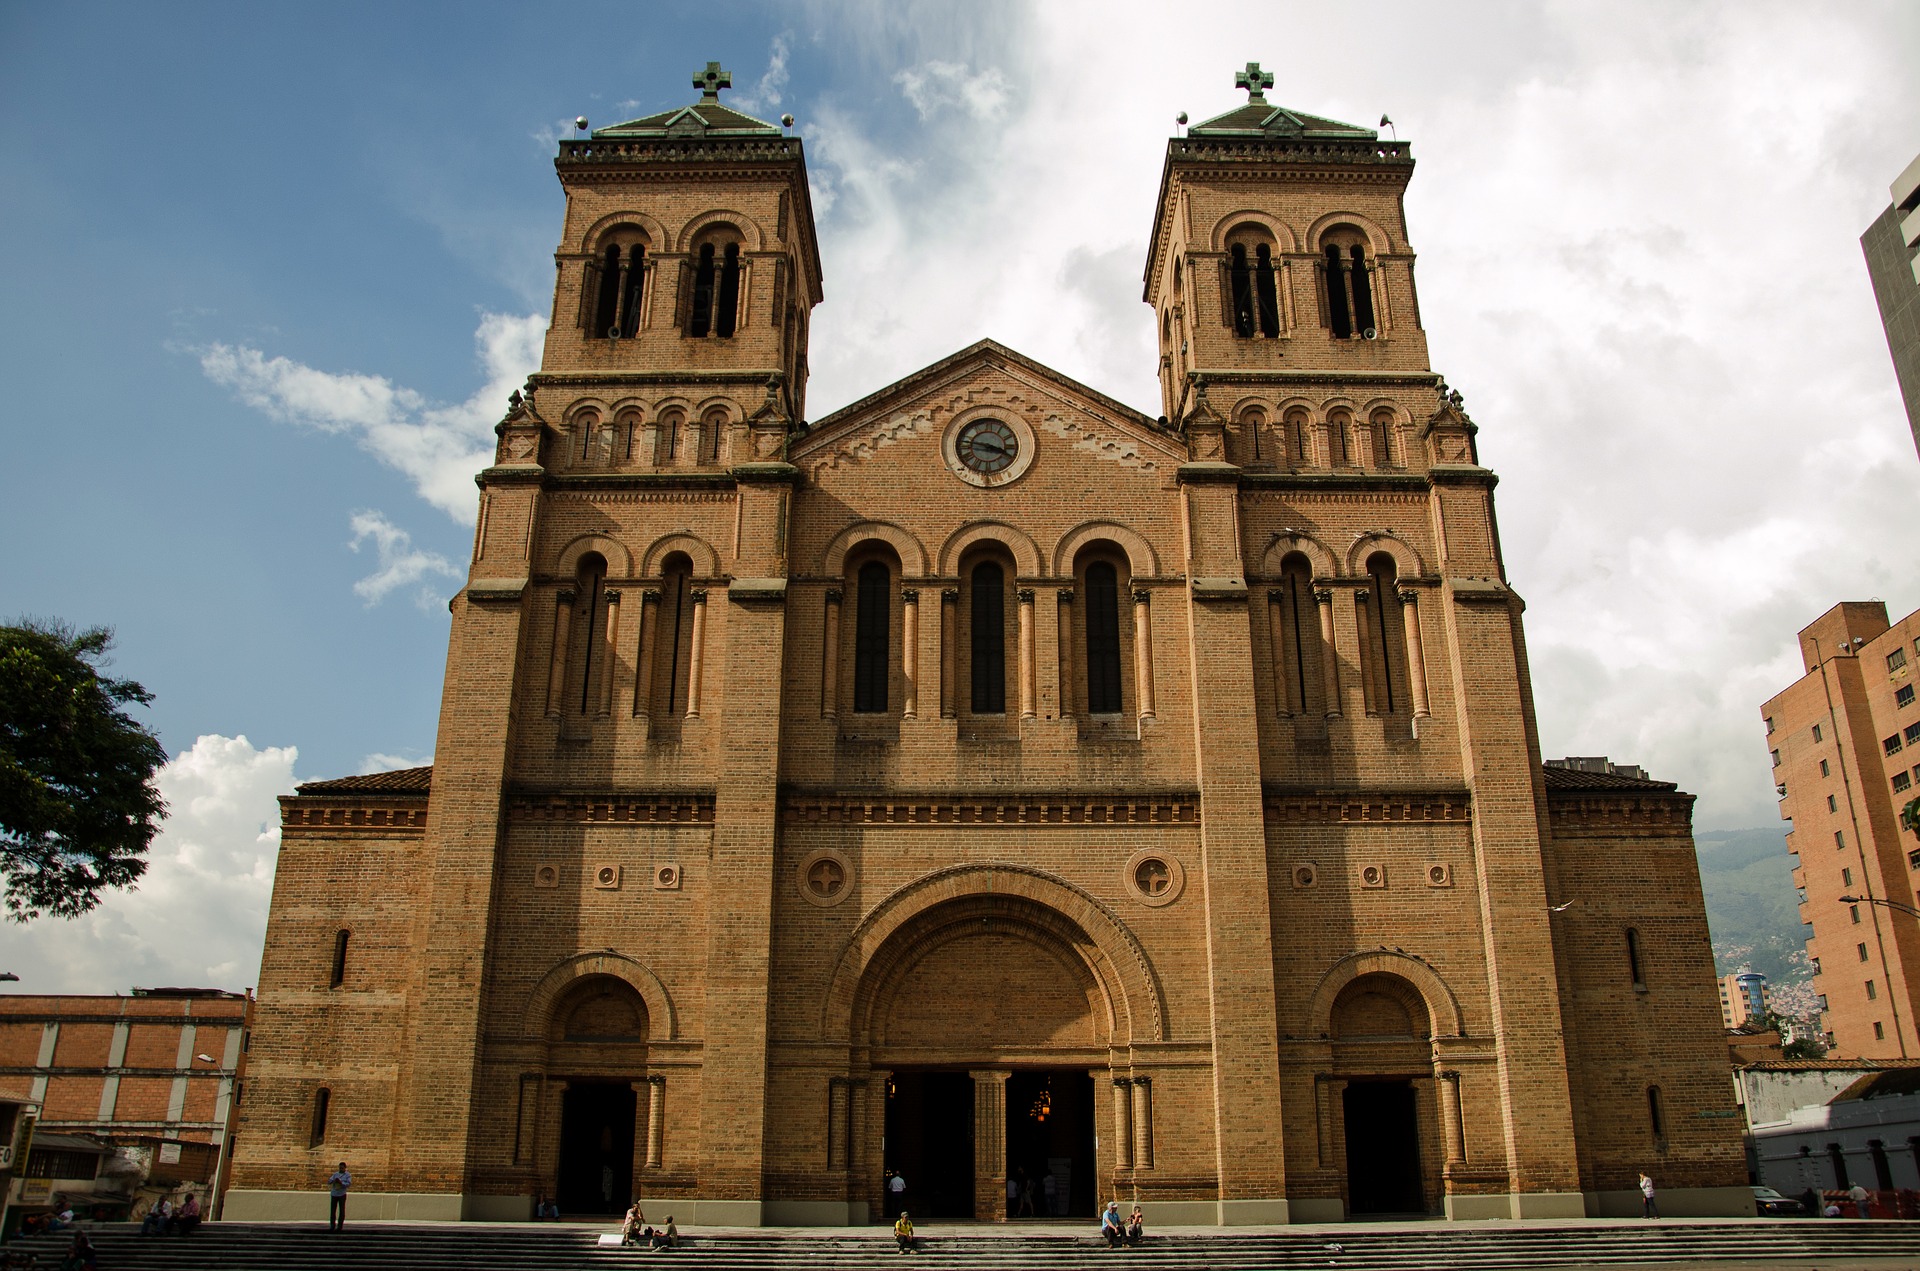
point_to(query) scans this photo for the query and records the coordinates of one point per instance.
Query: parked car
(1772, 1204)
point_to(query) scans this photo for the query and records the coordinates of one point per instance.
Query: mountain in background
(1752, 906)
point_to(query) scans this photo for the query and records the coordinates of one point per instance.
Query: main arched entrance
(988, 1015)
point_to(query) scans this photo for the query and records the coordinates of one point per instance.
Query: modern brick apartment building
(1845, 740)
(1892, 248)
(159, 1068)
(987, 779)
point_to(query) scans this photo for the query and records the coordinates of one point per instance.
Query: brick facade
(989, 727)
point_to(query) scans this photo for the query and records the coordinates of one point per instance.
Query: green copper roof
(705, 118)
(1264, 119)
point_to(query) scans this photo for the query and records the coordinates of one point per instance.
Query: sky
(269, 272)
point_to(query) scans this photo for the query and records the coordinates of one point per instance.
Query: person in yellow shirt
(903, 1232)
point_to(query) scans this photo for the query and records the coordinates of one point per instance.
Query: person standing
(337, 1184)
(1858, 1195)
(1647, 1208)
(897, 1192)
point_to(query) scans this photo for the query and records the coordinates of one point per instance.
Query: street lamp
(1875, 900)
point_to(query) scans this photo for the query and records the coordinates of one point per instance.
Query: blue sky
(270, 270)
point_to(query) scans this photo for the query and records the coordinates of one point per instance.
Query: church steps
(402, 1247)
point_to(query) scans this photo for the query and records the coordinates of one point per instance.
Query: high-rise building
(1743, 997)
(1892, 247)
(988, 780)
(1845, 742)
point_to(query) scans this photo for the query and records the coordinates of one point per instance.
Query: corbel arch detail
(1283, 237)
(1407, 562)
(1142, 562)
(1442, 1007)
(1321, 560)
(656, 232)
(619, 559)
(1114, 957)
(913, 557)
(662, 1024)
(706, 563)
(1026, 556)
(749, 229)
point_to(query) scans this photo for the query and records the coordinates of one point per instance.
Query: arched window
(1357, 277)
(614, 286)
(1380, 434)
(1339, 315)
(636, 279)
(590, 625)
(700, 320)
(729, 299)
(1103, 639)
(712, 294)
(666, 447)
(1265, 292)
(673, 636)
(1339, 453)
(1299, 633)
(1299, 442)
(1347, 284)
(1241, 273)
(988, 611)
(607, 311)
(1252, 424)
(339, 975)
(712, 429)
(873, 620)
(1386, 635)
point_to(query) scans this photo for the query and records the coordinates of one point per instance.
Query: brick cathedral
(987, 780)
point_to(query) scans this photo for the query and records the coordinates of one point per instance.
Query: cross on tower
(1253, 79)
(713, 79)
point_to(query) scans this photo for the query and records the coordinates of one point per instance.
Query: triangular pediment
(1059, 408)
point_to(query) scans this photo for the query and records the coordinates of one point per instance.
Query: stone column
(1371, 698)
(830, 659)
(1329, 655)
(1143, 1123)
(611, 671)
(1283, 688)
(1326, 1094)
(1064, 600)
(990, 1144)
(696, 661)
(1028, 677)
(656, 1121)
(1123, 1123)
(837, 1123)
(1416, 657)
(562, 635)
(1143, 652)
(949, 629)
(642, 1128)
(649, 625)
(1452, 1126)
(910, 652)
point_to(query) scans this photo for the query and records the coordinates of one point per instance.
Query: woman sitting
(1136, 1226)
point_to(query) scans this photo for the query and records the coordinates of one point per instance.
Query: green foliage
(77, 803)
(1803, 1048)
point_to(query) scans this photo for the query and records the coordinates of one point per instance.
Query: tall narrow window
(700, 321)
(1381, 431)
(1656, 1115)
(873, 621)
(729, 301)
(607, 310)
(1103, 639)
(989, 601)
(1362, 294)
(1633, 958)
(1389, 635)
(593, 572)
(339, 975)
(1297, 438)
(673, 640)
(1297, 583)
(636, 276)
(321, 1098)
(1339, 318)
(1265, 291)
(1338, 454)
(1839, 1162)
(1242, 278)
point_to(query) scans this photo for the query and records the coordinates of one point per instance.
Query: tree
(78, 807)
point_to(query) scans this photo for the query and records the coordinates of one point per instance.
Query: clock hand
(992, 445)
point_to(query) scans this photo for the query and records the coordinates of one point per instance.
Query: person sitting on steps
(666, 1239)
(1136, 1226)
(903, 1233)
(1110, 1226)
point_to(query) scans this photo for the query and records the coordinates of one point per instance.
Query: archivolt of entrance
(989, 1011)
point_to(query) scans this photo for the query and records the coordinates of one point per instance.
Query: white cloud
(401, 563)
(381, 762)
(765, 95)
(438, 446)
(198, 917)
(934, 86)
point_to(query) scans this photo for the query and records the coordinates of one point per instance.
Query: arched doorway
(1381, 1028)
(597, 1035)
(986, 1013)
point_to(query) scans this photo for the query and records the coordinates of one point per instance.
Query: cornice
(1385, 807)
(1065, 809)
(1334, 482)
(604, 379)
(659, 481)
(612, 807)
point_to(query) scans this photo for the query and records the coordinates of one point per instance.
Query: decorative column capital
(1123, 1082)
(1323, 595)
(1024, 595)
(566, 595)
(649, 595)
(1141, 595)
(613, 596)
(699, 595)
(1362, 594)
(834, 595)
(1408, 597)
(950, 595)
(1143, 1081)
(1064, 595)
(656, 1079)
(910, 595)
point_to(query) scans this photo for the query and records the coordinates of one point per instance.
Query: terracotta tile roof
(399, 781)
(1571, 779)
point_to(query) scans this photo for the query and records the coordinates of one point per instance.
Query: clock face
(987, 446)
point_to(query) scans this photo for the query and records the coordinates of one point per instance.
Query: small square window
(1913, 859)
(1901, 781)
(1823, 766)
(1891, 744)
(1776, 759)
(1769, 725)
(1896, 659)
(1862, 950)
(1913, 734)
(1816, 733)
(1903, 696)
